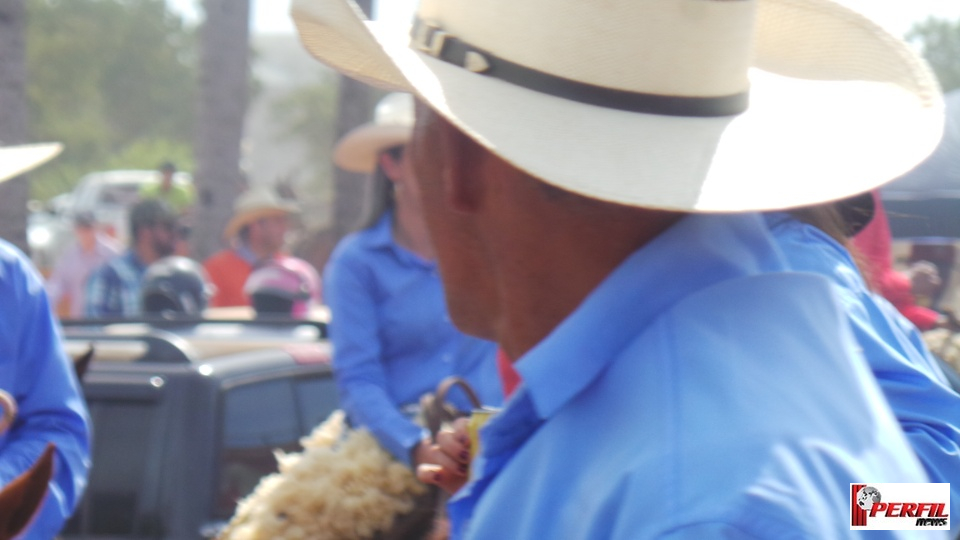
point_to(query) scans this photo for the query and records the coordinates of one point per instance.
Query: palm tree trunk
(13, 117)
(224, 83)
(350, 189)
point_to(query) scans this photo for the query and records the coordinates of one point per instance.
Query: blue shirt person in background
(35, 370)
(393, 340)
(591, 175)
(113, 290)
(912, 381)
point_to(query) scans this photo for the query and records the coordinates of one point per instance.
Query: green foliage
(150, 153)
(939, 41)
(114, 80)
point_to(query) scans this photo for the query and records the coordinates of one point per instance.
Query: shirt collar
(772, 219)
(380, 236)
(776, 220)
(135, 261)
(244, 252)
(381, 233)
(696, 252)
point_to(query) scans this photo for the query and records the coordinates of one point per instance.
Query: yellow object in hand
(478, 418)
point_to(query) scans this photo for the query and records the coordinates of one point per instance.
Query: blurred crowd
(97, 278)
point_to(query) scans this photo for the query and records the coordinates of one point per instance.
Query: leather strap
(437, 43)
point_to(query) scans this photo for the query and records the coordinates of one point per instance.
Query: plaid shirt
(113, 290)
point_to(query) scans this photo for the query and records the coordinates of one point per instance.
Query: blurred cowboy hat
(16, 160)
(255, 204)
(691, 105)
(392, 125)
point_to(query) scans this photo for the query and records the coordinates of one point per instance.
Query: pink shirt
(69, 277)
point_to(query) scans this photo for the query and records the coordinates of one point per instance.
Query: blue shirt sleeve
(358, 362)
(918, 392)
(35, 369)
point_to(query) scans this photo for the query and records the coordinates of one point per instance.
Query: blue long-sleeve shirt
(393, 340)
(35, 370)
(702, 390)
(912, 382)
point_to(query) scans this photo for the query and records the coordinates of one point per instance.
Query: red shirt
(228, 271)
(874, 243)
(508, 376)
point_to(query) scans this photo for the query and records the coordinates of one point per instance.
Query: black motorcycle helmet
(175, 285)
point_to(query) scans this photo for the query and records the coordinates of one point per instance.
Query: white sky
(896, 15)
(273, 15)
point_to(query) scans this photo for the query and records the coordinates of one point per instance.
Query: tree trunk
(13, 117)
(354, 105)
(224, 82)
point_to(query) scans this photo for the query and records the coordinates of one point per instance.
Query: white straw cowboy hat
(16, 160)
(255, 204)
(392, 125)
(695, 105)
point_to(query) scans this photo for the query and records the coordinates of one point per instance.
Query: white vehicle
(108, 195)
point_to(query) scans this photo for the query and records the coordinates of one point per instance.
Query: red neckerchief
(508, 376)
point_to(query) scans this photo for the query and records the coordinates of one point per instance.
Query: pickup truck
(186, 415)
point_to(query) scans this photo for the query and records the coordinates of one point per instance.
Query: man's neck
(88, 246)
(145, 255)
(548, 275)
(261, 252)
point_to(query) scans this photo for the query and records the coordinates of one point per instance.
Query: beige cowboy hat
(693, 105)
(392, 125)
(16, 160)
(255, 204)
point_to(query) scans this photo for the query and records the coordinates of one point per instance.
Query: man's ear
(462, 169)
